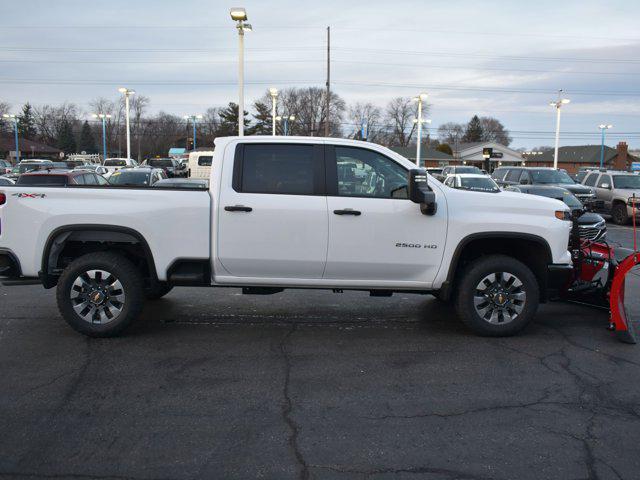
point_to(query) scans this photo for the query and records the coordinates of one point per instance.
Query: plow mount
(600, 272)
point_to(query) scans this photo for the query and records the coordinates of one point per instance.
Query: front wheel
(497, 296)
(100, 294)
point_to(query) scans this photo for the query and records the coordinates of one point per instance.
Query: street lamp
(274, 98)
(286, 119)
(127, 93)
(195, 119)
(15, 126)
(239, 15)
(103, 117)
(558, 105)
(603, 128)
(420, 99)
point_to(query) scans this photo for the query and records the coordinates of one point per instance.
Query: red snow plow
(599, 277)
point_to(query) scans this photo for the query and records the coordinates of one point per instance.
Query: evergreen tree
(474, 131)
(26, 122)
(66, 141)
(262, 118)
(87, 142)
(229, 120)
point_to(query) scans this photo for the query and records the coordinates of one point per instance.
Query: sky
(505, 59)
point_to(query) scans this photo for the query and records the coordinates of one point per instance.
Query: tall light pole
(603, 128)
(420, 98)
(15, 131)
(286, 119)
(194, 119)
(558, 105)
(274, 99)
(127, 93)
(103, 117)
(239, 15)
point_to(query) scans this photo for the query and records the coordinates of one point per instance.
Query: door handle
(348, 211)
(238, 208)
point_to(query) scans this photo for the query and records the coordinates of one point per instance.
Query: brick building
(28, 149)
(585, 156)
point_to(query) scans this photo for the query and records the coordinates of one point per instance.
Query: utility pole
(326, 123)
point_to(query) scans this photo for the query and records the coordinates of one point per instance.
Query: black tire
(157, 291)
(123, 302)
(619, 214)
(506, 298)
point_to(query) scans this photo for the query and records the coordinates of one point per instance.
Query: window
(205, 161)
(365, 173)
(512, 176)
(42, 180)
(101, 180)
(280, 169)
(115, 163)
(446, 171)
(499, 173)
(77, 180)
(524, 178)
(552, 177)
(604, 179)
(468, 169)
(626, 182)
(449, 182)
(89, 179)
(160, 162)
(590, 181)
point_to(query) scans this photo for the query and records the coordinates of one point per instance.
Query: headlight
(563, 215)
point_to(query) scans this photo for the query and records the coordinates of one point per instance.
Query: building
(430, 157)
(471, 154)
(573, 158)
(28, 149)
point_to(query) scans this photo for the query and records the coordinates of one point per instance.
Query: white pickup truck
(288, 212)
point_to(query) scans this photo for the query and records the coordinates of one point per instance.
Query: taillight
(3, 199)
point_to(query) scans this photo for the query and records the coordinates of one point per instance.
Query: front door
(273, 217)
(376, 234)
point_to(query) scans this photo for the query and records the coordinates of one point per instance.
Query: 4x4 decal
(29, 195)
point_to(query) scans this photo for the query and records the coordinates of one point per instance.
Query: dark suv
(509, 176)
(60, 178)
(171, 167)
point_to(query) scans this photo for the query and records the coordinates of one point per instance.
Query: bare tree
(494, 131)
(138, 105)
(401, 112)
(368, 117)
(451, 133)
(50, 120)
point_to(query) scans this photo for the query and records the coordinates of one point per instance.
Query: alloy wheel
(97, 296)
(499, 298)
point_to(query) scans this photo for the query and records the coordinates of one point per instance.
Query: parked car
(472, 181)
(453, 169)
(6, 181)
(115, 164)
(138, 176)
(615, 188)
(591, 225)
(60, 178)
(5, 167)
(508, 176)
(99, 169)
(196, 183)
(32, 165)
(279, 214)
(171, 167)
(200, 164)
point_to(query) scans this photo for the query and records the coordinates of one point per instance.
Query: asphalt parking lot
(306, 384)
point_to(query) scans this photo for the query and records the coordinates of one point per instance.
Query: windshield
(478, 184)
(470, 169)
(129, 177)
(42, 180)
(626, 182)
(160, 162)
(115, 163)
(551, 176)
(30, 167)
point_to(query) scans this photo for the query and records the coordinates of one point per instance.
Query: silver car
(615, 189)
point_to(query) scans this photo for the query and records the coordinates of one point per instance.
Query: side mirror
(606, 186)
(420, 193)
(101, 170)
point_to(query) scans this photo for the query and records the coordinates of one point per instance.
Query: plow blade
(620, 321)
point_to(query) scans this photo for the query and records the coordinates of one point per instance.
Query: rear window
(468, 170)
(280, 169)
(115, 163)
(590, 181)
(43, 180)
(160, 163)
(129, 177)
(205, 161)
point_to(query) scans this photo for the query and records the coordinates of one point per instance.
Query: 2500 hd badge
(416, 245)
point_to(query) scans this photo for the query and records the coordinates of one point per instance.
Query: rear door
(273, 218)
(377, 236)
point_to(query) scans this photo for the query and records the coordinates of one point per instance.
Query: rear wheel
(497, 296)
(100, 294)
(619, 214)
